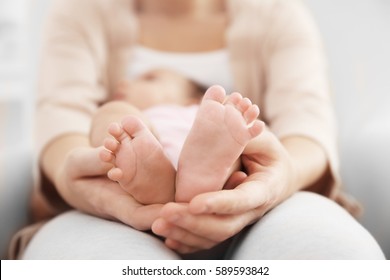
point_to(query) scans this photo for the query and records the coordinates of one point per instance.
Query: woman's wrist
(308, 161)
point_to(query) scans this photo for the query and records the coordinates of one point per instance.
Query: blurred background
(357, 40)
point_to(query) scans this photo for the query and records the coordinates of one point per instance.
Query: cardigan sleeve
(72, 80)
(297, 99)
(72, 84)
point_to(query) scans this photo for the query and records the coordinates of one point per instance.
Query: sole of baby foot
(140, 165)
(222, 128)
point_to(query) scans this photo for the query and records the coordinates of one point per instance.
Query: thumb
(85, 162)
(249, 195)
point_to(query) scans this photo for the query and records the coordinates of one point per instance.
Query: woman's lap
(75, 235)
(306, 226)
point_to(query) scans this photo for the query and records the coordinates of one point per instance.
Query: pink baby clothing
(172, 124)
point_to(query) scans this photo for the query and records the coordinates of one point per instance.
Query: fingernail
(159, 227)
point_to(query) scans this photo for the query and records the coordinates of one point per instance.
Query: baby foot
(140, 165)
(221, 130)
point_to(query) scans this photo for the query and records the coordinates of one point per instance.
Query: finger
(180, 247)
(266, 148)
(85, 162)
(143, 216)
(123, 207)
(234, 180)
(216, 228)
(249, 195)
(163, 228)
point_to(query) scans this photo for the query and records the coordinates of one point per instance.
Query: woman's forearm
(308, 158)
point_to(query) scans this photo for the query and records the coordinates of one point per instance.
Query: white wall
(16, 110)
(14, 79)
(357, 38)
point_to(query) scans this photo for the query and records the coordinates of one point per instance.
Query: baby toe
(251, 113)
(244, 105)
(111, 144)
(106, 156)
(216, 93)
(132, 125)
(115, 174)
(256, 128)
(233, 99)
(115, 130)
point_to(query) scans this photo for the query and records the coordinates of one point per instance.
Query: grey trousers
(306, 226)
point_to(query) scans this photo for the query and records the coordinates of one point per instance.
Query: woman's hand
(83, 183)
(210, 218)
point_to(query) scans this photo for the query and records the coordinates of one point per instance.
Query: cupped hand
(211, 218)
(83, 183)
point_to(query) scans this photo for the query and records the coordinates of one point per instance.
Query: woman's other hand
(276, 170)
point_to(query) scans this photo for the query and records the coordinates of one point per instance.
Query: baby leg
(221, 130)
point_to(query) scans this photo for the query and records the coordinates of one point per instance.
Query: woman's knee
(75, 235)
(308, 226)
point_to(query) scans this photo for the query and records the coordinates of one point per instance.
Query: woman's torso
(201, 29)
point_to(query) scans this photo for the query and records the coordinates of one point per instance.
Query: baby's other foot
(222, 128)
